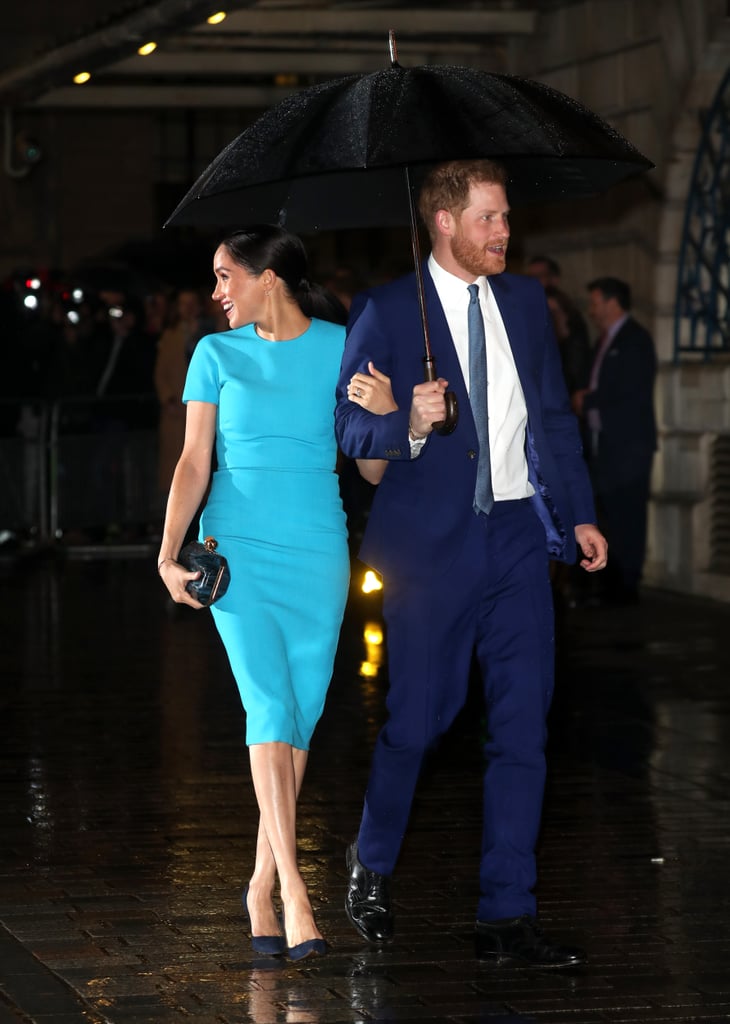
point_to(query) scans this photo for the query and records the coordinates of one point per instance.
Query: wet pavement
(128, 822)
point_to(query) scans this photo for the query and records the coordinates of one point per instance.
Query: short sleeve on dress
(202, 383)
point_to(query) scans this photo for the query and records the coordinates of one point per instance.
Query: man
(125, 357)
(458, 578)
(618, 407)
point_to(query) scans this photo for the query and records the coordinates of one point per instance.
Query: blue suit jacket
(417, 521)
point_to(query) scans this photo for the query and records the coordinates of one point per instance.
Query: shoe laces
(375, 888)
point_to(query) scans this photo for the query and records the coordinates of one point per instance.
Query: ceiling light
(148, 48)
(83, 76)
(216, 19)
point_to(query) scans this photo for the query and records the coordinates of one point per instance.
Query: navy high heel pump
(268, 945)
(310, 947)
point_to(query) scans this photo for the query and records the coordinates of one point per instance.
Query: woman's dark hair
(564, 301)
(266, 246)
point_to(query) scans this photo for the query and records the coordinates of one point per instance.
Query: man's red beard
(476, 260)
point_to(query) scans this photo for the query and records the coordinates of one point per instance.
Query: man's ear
(445, 223)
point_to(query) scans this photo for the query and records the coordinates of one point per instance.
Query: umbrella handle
(447, 425)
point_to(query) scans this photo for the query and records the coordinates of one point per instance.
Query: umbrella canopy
(332, 156)
(349, 153)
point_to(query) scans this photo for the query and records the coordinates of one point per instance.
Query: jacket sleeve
(362, 434)
(563, 433)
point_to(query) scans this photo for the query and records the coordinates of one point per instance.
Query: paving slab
(128, 822)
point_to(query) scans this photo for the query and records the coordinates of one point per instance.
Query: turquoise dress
(274, 507)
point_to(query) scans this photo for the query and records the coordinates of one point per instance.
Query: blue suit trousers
(495, 600)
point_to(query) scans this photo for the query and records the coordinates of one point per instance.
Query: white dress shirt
(506, 400)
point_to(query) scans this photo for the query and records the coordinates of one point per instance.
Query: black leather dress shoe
(367, 901)
(522, 939)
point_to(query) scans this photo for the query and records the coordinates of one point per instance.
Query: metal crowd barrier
(79, 467)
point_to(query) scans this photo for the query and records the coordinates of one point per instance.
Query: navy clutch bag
(213, 568)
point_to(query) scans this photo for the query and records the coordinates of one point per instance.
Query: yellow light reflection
(81, 78)
(371, 582)
(372, 635)
(217, 18)
(148, 48)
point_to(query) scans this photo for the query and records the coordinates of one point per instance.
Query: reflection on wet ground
(128, 822)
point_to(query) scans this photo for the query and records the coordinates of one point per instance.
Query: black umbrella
(332, 155)
(348, 153)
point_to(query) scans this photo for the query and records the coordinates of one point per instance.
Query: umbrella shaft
(415, 246)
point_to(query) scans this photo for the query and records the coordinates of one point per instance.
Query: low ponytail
(315, 300)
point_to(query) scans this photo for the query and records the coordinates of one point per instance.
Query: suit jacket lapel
(512, 309)
(442, 345)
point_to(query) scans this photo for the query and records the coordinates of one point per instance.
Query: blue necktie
(483, 495)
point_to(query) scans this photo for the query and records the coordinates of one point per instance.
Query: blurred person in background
(174, 349)
(124, 356)
(547, 271)
(123, 415)
(618, 407)
(575, 350)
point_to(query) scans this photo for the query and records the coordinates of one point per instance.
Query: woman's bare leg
(278, 770)
(263, 879)
(264, 920)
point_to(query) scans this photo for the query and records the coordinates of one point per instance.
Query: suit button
(471, 454)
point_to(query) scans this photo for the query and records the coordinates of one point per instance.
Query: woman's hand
(189, 484)
(175, 577)
(372, 391)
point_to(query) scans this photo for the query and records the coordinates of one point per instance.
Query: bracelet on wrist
(414, 436)
(160, 564)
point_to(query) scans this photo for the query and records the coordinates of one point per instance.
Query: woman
(575, 349)
(262, 395)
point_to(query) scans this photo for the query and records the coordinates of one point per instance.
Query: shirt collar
(452, 290)
(616, 327)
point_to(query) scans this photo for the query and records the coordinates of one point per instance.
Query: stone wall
(632, 61)
(694, 411)
(651, 69)
(693, 399)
